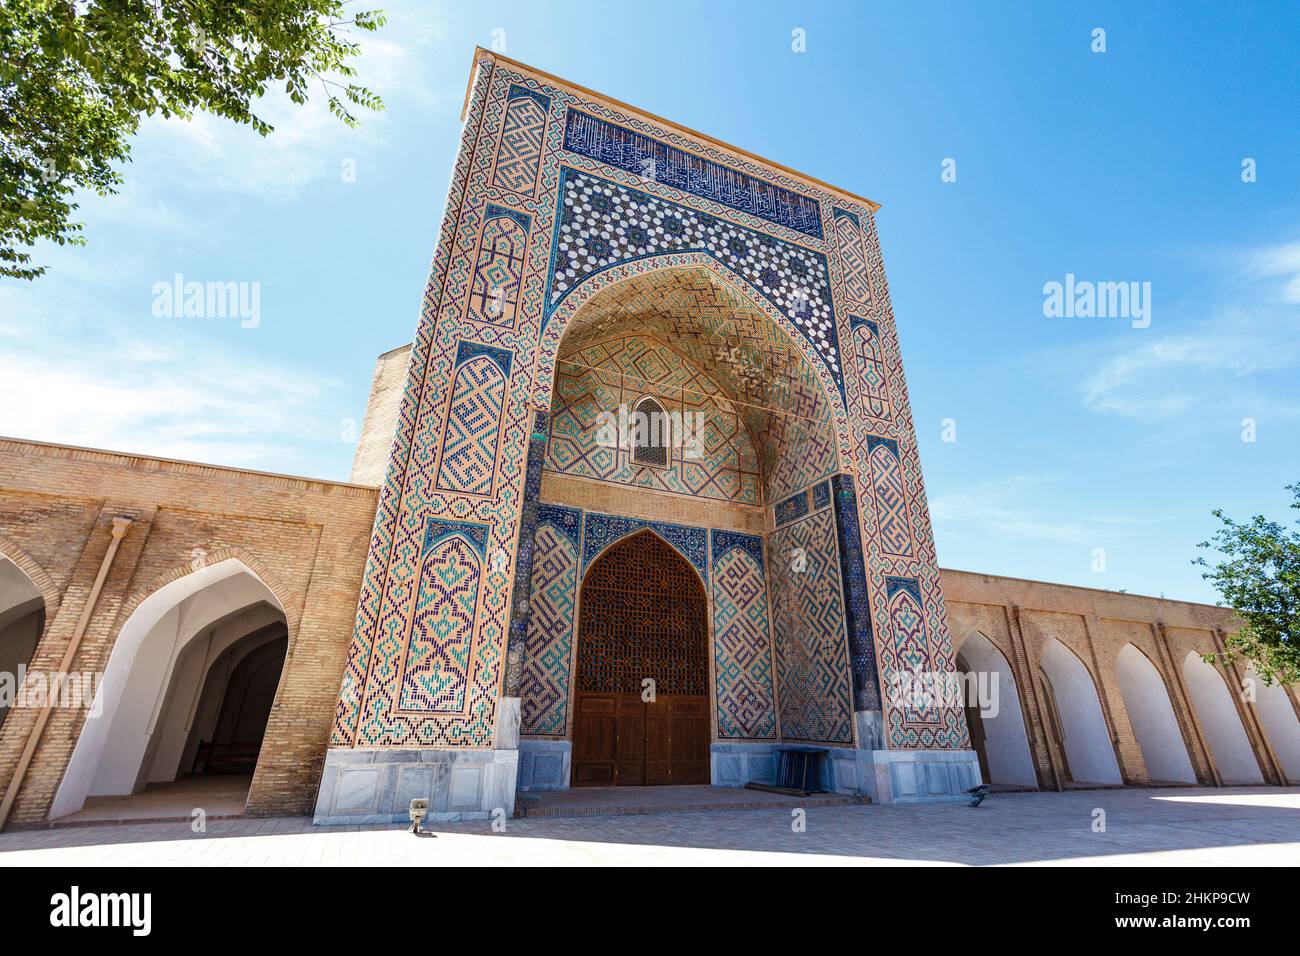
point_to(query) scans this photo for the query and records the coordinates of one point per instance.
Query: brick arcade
(465, 620)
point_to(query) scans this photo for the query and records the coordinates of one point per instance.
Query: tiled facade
(563, 204)
(591, 256)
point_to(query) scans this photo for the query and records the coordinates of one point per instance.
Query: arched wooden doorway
(643, 618)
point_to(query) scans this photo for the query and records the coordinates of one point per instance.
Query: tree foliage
(1259, 577)
(77, 76)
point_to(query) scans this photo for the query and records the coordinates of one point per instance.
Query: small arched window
(650, 434)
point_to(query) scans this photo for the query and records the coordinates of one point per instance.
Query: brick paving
(1178, 827)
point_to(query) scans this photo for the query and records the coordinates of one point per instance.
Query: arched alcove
(998, 729)
(643, 618)
(1075, 710)
(143, 712)
(1152, 717)
(1280, 724)
(1220, 722)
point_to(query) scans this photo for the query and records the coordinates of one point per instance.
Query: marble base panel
(734, 765)
(544, 764)
(377, 785)
(904, 776)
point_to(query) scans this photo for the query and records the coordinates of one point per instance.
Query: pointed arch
(1085, 736)
(998, 723)
(1212, 698)
(207, 558)
(650, 433)
(39, 577)
(702, 263)
(1146, 698)
(642, 616)
(1277, 712)
(435, 669)
(23, 617)
(224, 599)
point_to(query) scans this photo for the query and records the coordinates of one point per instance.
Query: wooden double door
(641, 699)
(621, 740)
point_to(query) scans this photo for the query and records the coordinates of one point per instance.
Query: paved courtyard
(1177, 827)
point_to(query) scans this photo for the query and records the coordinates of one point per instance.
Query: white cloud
(165, 399)
(210, 152)
(1006, 507)
(1222, 359)
(1282, 263)
(998, 506)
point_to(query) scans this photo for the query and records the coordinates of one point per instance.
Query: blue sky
(1072, 434)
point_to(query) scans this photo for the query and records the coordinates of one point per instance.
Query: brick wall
(371, 459)
(1021, 618)
(306, 539)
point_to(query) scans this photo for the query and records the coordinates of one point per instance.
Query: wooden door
(690, 740)
(594, 734)
(630, 741)
(620, 740)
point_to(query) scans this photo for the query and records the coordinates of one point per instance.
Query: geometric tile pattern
(544, 692)
(473, 421)
(499, 271)
(603, 223)
(656, 160)
(893, 519)
(739, 351)
(599, 531)
(433, 674)
(871, 367)
(742, 647)
(857, 598)
(601, 383)
(519, 151)
(814, 682)
(911, 647)
(853, 258)
(571, 233)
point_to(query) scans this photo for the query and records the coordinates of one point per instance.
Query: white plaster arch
(1280, 724)
(36, 574)
(1212, 698)
(1087, 741)
(190, 674)
(1005, 744)
(1146, 698)
(115, 742)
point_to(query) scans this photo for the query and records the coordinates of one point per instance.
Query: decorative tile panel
(742, 648)
(544, 692)
(653, 159)
(474, 419)
(523, 133)
(600, 531)
(603, 223)
(815, 696)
